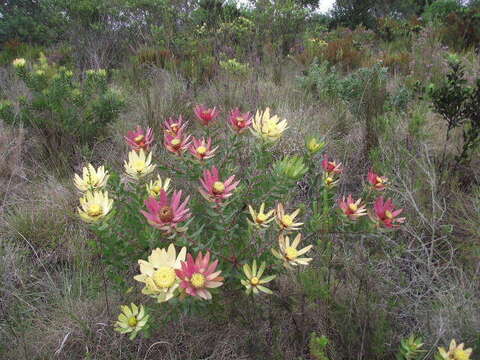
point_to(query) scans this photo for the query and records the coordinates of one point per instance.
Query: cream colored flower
(155, 187)
(139, 165)
(18, 63)
(94, 206)
(91, 179)
(131, 320)
(455, 352)
(260, 219)
(254, 282)
(289, 253)
(268, 128)
(286, 221)
(158, 273)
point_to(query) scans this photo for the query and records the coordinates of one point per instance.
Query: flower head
(238, 121)
(177, 144)
(331, 167)
(205, 115)
(386, 214)
(287, 221)
(199, 275)
(254, 282)
(158, 273)
(174, 127)
(330, 181)
(455, 352)
(378, 182)
(94, 206)
(313, 145)
(139, 165)
(260, 219)
(268, 128)
(131, 320)
(202, 149)
(289, 253)
(352, 209)
(155, 187)
(91, 179)
(19, 63)
(139, 139)
(213, 189)
(165, 214)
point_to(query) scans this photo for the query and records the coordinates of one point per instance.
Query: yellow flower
(455, 352)
(139, 164)
(155, 187)
(158, 273)
(261, 219)
(94, 206)
(131, 320)
(330, 181)
(18, 63)
(266, 127)
(289, 252)
(286, 221)
(313, 145)
(91, 179)
(254, 282)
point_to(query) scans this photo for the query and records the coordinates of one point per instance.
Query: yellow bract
(94, 206)
(91, 179)
(158, 273)
(266, 127)
(155, 187)
(287, 221)
(260, 218)
(455, 352)
(289, 253)
(255, 281)
(19, 62)
(139, 164)
(131, 320)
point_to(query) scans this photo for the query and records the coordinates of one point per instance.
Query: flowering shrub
(61, 105)
(219, 212)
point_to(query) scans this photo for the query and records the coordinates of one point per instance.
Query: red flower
(352, 209)
(331, 167)
(240, 122)
(174, 127)
(214, 189)
(205, 115)
(202, 149)
(199, 275)
(386, 214)
(166, 214)
(176, 144)
(139, 139)
(378, 182)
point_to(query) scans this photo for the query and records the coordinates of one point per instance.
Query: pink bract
(202, 149)
(331, 167)
(174, 127)
(176, 144)
(205, 115)
(240, 122)
(213, 189)
(165, 214)
(199, 275)
(139, 139)
(386, 214)
(378, 182)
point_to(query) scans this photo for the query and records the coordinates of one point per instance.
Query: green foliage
(458, 103)
(440, 9)
(63, 107)
(317, 346)
(410, 349)
(291, 167)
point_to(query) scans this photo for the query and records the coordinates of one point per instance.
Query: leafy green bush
(440, 9)
(64, 108)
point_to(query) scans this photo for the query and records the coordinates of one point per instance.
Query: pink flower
(331, 167)
(199, 275)
(166, 214)
(352, 209)
(386, 214)
(139, 139)
(205, 115)
(378, 182)
(214, 189)
(202, 149)
(174, 127)
(240, 122)
(176, 144)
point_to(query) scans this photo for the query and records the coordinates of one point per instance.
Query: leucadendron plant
(214, 206)
(67, 108)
